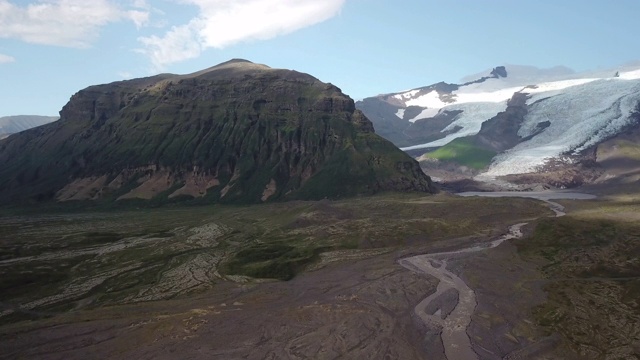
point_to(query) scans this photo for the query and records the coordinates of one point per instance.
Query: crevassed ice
(482, 101)
(579, 117)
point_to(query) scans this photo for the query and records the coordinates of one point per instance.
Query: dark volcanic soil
(506, 287)
(352, 304)
(359, 310)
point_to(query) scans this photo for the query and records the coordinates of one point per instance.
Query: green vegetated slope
(593, 282)
(235, 132)
(463, 151)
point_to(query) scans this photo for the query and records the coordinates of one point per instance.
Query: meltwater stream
(455, 339)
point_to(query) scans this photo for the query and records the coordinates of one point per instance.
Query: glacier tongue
(580, 116)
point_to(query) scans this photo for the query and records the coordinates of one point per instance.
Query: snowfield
(429, 100)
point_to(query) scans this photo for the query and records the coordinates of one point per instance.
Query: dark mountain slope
(234, 132)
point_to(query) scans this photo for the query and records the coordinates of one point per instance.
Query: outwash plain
(321, 279)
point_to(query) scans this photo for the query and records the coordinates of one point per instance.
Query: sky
(50, 49)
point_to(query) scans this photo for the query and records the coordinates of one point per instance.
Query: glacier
(582, 110)
(580, 116)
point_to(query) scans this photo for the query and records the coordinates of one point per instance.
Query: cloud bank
(6, 59)
(69, 23)
(221, 23)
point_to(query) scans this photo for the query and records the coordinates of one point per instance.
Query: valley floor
(199, 282)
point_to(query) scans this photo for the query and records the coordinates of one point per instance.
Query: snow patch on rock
(425, 114)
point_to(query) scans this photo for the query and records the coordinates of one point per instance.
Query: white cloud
(141, 15)
(6, 59)
(221, 23)
(141, 4)
(178, 44)
(71, 23)
(140, 18)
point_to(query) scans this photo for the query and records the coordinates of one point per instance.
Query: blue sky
(50, 49)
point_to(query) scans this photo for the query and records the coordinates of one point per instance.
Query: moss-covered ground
(463, 151)
(591, 262)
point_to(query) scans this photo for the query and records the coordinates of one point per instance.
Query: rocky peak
(237, 65)
(499, 72)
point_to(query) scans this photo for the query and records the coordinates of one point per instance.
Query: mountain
(13, 124)
(514, 121)
(236, 132)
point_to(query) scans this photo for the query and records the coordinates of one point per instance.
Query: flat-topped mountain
(238, 131)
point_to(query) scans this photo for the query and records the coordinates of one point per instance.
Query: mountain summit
(236, 132)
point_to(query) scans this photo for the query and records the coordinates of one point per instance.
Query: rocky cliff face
(235, 132)
(501, 131)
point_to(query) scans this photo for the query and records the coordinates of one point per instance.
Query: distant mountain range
(514, 120)
(236, 132)
(13, 124)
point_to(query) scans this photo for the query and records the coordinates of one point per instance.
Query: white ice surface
(425, 114)
(582, 108)
(580, 116)
(428, 100)
(479, 102)
(630, 75)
